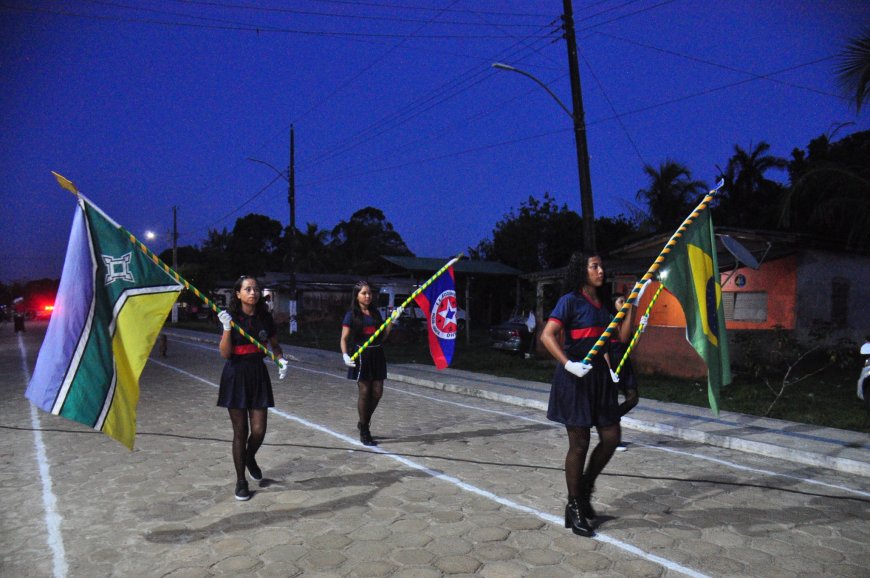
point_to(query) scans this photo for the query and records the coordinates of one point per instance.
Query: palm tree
(671, 193)
(751, 199)
(853, 69)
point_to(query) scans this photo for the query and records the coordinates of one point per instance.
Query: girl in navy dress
(582, 396)
(369, 369)
(246, 389)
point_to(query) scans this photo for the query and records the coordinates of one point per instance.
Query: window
(745, 306)
(839, 301)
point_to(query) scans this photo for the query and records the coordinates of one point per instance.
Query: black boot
(586, 489)
(575, 520)
(365, 436)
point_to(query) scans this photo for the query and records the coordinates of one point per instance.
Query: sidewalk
(841, 450)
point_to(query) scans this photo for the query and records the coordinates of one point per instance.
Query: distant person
(246, 389)
(369, 370)
(531, 324)
(18, 313)
(627, 379)
(582, 396)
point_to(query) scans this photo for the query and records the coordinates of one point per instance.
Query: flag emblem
(443, 317)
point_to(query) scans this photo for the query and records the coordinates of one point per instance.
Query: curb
(690, 434)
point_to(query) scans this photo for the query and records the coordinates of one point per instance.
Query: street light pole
(586, 207)
(580, 132)
(290, 177)
(291, 199)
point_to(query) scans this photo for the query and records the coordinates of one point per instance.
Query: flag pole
(650, 272)
(636, 336)
(410, 298)
(68, 185)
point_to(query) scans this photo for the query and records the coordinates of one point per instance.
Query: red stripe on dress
(369, 330)
(244, 349)
(587, 332)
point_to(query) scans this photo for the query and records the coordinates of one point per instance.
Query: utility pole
(587, 212)
(291, 198)
(175, 238)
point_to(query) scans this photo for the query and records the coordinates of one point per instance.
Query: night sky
(147, 105)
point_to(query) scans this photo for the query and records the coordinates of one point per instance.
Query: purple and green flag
(110, 307)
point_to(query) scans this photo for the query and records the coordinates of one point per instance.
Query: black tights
(245, 446)
(629, 403)
(370, 393)
(578, 446)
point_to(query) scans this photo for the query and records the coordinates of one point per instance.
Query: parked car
(863, 382)
(512, 335)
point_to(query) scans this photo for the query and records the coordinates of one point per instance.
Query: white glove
(397, 312)
(641, 325)
(283, 366)
(578, 368)
(225, 319)
(614, 376)
(347, 360)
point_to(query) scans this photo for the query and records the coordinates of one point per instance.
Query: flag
(110, 306)
(438, 302)
(691, 274)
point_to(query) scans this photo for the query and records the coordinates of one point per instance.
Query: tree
(853, 69)
(671, 194)
(750, 199)
(312, 250)
(254, 247)
(540, 235)
(358, 243)
(830, 191)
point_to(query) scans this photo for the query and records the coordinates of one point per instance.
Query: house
(799, 285)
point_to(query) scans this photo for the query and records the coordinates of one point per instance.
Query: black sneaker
(254, 469)
(242, 492)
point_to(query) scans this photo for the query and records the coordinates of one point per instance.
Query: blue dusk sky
(148, 104)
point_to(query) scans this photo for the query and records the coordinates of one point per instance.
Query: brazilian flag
(110, 307)
(691, 273)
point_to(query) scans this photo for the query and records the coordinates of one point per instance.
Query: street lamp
(290, 176)
(586, 209)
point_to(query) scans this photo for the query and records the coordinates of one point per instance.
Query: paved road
(459, 486)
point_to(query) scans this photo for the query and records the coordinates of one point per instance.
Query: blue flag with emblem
(438, 302)
(691, 274)
(110, 307)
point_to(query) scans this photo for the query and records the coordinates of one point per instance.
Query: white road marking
(52, 518)
(556, 520)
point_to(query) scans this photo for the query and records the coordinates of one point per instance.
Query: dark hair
(235, 307)
(577, 271)
(356, 312)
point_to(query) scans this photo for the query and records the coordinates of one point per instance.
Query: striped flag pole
(68, 185)
(637, 332)
(650, 272)
(410, 298)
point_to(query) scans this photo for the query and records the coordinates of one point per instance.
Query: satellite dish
(739, 252)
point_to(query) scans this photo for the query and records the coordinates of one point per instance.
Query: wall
(816, 272)
(779, 280)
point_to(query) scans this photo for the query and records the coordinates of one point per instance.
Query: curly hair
(577, 272)
(235, 307)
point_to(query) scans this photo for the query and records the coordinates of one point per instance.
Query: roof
(464, 266)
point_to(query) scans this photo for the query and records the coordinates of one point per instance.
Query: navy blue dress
(245, 381)
(593, 399)
(371, 365)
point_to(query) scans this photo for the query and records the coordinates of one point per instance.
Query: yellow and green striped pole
(68, 185)
(636, 336)
(410, 298)
(650, 272)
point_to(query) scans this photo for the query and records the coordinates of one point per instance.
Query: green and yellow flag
(691, 274)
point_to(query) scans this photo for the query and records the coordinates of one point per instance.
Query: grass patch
(826, 399)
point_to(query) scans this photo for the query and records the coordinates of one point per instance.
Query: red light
(49, 307)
